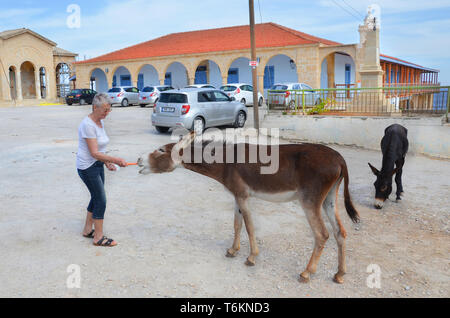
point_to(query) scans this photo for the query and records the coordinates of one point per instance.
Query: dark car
(80, 96)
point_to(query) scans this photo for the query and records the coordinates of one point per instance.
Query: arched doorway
(122, 77)
(43, 82)
(148, 76)
(62, 80)
(208, 72)
(28, 80)
(99, 81)
(12, 82)
(338, 71)
(176, 75)
(240, 71)
(280, 69)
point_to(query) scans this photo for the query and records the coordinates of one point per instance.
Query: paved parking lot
(173, 229)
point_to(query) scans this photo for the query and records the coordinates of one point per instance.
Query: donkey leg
(251, 260)
(313, 214)
(331, 212)
(231, 252)
(398, 178)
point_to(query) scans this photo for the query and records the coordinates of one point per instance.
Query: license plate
(167, 109)
(70, 97)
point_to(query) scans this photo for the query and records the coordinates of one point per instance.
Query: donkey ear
(374, 170)
(186, 140)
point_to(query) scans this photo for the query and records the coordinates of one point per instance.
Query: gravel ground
(173, 229)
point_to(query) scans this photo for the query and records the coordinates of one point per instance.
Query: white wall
(215, 77)
(339, 70)
(179, 75)
(324, 74)
(150, 75)
(101, 83)
(245, 72)
(282, 69)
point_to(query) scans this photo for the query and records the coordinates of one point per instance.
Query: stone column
(161, 81)
(37, 81)
(371, 72)
(19, 85)
(224, 80)
(330, 70)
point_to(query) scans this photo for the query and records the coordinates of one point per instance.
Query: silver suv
(124, 96)
(197, 109)
(290, 95)
(150, 94)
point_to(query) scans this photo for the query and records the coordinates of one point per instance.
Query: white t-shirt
(89, 129)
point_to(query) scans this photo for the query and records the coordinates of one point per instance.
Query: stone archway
(208, 72)
(28, 80)
(62, 80)
(122, 77)
(176, 75)
(99, 81)
(338, 70)
(280, 68)
(147, 76)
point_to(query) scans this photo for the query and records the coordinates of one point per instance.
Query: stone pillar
(161, 81)
(224, 80)
(330, 70)
(19, 85)
(371, 73)
(191, 81)
(37, 81)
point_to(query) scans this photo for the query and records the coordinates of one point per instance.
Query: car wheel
(198, 126)
(124, 102)
(162, 129)
(82, 102)
(260, 102)
(240, 120)
(243, 102)
(70, 104)
(142, 105)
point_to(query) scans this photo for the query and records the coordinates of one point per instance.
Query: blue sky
(414, 30)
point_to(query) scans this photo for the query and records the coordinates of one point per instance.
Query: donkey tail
(351, 211)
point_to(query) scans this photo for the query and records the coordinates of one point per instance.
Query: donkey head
(383, 186)
(167, 158)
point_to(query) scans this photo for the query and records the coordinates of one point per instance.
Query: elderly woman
(91, 158)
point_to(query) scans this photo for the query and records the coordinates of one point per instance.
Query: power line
(349, 12)
(260, 15)
(357, 12)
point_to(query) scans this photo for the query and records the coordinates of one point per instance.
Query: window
(148, 89)
(221, 97)
(114, 90)
(173, 98)
(140, 82)
(168, 79)
(228, 88)
(114, 84)
(269, 76)
(204, 97)
(233, 75)
(296, 86)
(125, 80)
(135, 90)
(279, 87)
(306, 87)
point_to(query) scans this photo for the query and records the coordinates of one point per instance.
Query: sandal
(102, 242)
(90, 235)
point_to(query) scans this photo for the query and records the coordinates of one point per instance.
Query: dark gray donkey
(394, 146)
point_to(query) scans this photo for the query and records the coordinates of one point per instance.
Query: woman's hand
(121, 162)
(111, 166)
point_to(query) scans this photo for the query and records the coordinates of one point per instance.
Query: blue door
(114, 83)
(140, 81)
(269, 76)
(168, 79)
(200, 75)
(348, 75)
(125, 80)
(233, 75)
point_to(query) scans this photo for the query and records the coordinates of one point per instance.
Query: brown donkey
(310, 173)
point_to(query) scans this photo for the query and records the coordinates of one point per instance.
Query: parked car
(197, 109)
(80, 96)
(124, 96)
(242, 92)
(291, 95)
(200, 86)
(150, 94)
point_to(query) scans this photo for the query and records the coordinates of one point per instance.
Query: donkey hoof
(304, 278)
(231, 253)
(339, 279)
(250, 263)
(398, 198)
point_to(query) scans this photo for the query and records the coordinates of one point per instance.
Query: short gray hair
(100, 100)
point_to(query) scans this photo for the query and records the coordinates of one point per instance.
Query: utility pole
(254, 72)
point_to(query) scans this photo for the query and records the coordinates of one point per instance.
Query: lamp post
(254, 72)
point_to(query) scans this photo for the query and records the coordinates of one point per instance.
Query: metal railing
(384, 101)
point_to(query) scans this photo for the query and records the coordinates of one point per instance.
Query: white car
(291, 95)
(200, 86)
(242, 92)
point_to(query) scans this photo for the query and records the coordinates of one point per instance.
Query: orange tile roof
(213, 40)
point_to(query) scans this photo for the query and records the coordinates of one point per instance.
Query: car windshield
(173, 98)
(148, 89)
(279, 87)
(228, 88)
(75, 91)
(114, 90)
(164, 88)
